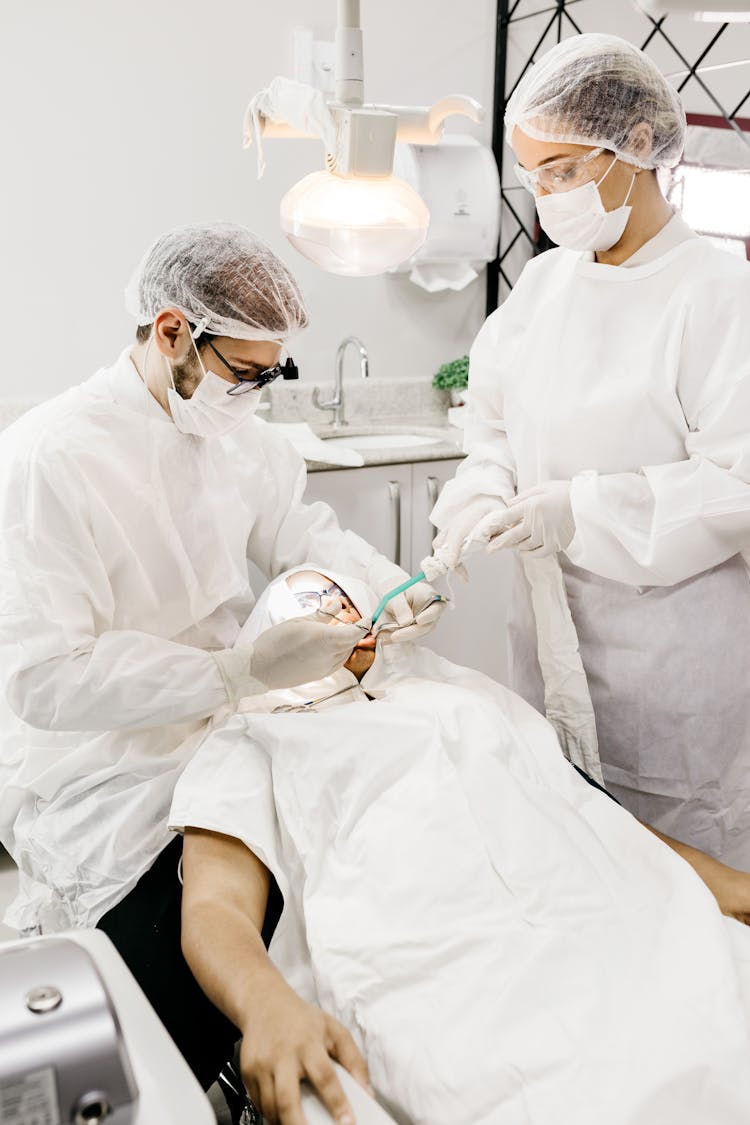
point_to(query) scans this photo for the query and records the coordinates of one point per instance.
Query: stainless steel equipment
(336, 404)
(62, 1054)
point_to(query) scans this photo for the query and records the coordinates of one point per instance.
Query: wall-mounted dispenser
(458, 180)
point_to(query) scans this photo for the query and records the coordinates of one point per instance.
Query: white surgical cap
(223, 278)
(593, 90)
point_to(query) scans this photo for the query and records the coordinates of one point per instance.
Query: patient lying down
(500, 941)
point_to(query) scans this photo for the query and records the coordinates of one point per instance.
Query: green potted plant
(453, 377)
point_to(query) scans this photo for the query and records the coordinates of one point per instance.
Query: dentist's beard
(187, 375)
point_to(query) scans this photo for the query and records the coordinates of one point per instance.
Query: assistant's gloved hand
(415, 612)
(294, 652)
(448, 544)
(540, 519)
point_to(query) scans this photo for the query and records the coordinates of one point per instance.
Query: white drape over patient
(506, 943)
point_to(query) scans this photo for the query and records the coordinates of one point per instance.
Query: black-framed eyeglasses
(262, 376)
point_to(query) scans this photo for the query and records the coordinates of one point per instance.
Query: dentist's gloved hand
(294, 652)
(449, 543)
(540, 519)
(413, 613)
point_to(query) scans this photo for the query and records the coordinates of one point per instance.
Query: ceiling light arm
(416, 124)
(359, 139)
(350, 78)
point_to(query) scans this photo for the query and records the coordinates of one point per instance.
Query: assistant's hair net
(594, 90)
(223, 278)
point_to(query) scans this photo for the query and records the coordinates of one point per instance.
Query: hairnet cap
(594, 90)
(223, 278)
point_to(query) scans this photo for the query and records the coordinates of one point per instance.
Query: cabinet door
(375, 502)
(474, 631)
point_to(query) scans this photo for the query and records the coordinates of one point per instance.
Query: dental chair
(80, 1044)
(366, 1111)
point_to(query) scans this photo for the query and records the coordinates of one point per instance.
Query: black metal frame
(510, 12)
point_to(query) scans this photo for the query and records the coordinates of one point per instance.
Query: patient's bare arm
(731, 888)
(284, 1039)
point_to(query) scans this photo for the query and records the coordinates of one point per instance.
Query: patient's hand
(287, 1040)
(730, 888)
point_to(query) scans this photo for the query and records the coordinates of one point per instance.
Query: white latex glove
(409, 615)
(540, 519)
(448, 545)
(294, 652)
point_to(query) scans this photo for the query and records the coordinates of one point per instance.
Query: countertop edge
(439, 451)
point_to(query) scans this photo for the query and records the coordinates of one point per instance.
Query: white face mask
(577, 220)
(210, 411)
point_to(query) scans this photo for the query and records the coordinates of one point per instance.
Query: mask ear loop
(601, 181)
(145, 366)
(171, 375)
(145, 362)
(630, 189)
(197, 331)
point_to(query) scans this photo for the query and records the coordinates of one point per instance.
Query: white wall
(122, 119)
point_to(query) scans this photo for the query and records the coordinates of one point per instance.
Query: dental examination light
(354, 217)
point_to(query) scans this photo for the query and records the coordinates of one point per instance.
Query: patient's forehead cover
(278, 603)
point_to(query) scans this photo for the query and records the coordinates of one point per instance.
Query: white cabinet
(375, 502)
(473, 630)
(389, 505)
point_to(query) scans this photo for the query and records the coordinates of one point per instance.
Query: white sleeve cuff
(234, 666)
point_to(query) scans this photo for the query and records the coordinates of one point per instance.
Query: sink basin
(382, 441)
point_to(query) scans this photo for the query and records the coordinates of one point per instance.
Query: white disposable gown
(633, 382)
(507, 945)
(124, 551)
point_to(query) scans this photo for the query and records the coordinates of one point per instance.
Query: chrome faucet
(336, 404)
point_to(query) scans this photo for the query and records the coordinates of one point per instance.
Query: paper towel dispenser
(459, 182)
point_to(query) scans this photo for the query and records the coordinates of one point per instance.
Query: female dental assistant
(610, 422)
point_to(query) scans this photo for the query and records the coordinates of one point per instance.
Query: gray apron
(668, 672)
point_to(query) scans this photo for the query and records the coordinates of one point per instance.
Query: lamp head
(357, 226)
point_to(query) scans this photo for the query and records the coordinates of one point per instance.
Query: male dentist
(130, 507)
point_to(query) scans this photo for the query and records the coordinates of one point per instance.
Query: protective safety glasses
(311, 601)
(559, 175)
(252, 377)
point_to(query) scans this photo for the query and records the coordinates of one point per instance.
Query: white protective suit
(633, 382)
(124, 548)
(507, 945)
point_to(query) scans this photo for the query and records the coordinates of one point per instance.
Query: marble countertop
(373, 406)
(447, 444)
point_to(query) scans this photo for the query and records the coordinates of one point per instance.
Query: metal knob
(92, 1109)
(43, 999)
